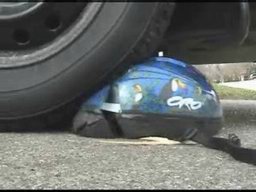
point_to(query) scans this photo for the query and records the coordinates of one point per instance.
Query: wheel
(54, 55)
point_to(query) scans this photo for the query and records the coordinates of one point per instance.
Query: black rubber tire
(120, 35)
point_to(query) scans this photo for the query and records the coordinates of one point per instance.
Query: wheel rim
(30, 27)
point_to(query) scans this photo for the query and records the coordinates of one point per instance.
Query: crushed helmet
(161, 97)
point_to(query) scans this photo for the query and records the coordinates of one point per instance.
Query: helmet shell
(160, 85)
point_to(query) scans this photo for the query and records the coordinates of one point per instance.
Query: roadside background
(232, 81)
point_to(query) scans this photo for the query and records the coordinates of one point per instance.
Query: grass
(226, 92)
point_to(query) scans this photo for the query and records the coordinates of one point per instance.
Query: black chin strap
(232, 146)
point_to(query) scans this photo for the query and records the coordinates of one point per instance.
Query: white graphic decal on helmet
(180, 102)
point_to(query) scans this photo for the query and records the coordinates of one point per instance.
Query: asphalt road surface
(65, 161)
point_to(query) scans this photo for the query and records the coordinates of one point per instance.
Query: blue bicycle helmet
(161, 97)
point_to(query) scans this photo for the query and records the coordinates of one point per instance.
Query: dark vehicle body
(213, 32)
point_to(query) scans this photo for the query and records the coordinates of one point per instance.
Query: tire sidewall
(35, 89)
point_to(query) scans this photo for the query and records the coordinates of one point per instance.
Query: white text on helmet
(180, 102)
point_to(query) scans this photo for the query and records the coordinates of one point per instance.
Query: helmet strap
(232, 146)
